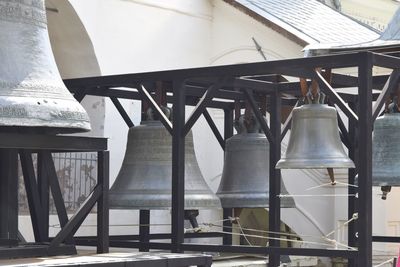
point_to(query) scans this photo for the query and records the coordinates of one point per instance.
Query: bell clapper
(191, 216)
(385, 191)
(331, 176)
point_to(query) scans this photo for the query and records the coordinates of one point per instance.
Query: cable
(260, 231)
(353, 218)
(330, 185)
(383, 263)
(280, 239)
(323, 195)
(244, 235)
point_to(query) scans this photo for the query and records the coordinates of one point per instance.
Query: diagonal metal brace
(56, 190)
(214, 129)
(35, 207)
(259, 116)
(122, 111)
(164, 120)
(201, 106)
(73, 224)
(389, 87)
(333, 95)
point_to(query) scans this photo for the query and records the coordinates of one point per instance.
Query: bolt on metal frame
(218, 87)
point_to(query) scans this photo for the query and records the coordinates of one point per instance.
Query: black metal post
(352, 238)
(178, 166)
(144, 229)
(275, 176)
(44, 193)
(365, 160)
(227, 212)
(103, 161)
(8, 197)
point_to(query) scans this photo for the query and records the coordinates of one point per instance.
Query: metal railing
(76, 173)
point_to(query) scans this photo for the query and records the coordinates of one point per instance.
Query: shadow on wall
(75, 55)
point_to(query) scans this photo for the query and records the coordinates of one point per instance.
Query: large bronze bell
(245, 176)
(385, 152)
(314, 141)
(32, 94)
(144, 180)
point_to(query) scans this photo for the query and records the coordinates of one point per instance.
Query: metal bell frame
(199, 86)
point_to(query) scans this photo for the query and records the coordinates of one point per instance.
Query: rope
(261, 231)
(244, 235)
(330, 242)
(330, 184)
(323, 195)
(276, 238)
(383, 263)
(353, 218)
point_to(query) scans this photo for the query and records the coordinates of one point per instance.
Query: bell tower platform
(40, 180)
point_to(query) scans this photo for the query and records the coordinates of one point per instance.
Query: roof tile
(311, 21)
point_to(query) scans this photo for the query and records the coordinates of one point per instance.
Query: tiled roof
(390, 38)
(309, 20)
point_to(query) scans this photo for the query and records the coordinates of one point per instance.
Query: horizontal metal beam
(255, 85)
(93, 239)
(34, 250)
(386, 239)
(243, 249)
(223, 93)
(272, 250)
(386, 61)
(52, 142)
(237, 70)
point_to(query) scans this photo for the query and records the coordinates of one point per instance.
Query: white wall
(232, 42)
(141, 36)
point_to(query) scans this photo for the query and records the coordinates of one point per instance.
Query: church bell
(245, 176)
(314, 141)
(144, 180)
(32, 95)
(385, 152)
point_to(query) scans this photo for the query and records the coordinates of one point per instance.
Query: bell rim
(260, 201)
(124, 200)
(337, 163)
(42, 115)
